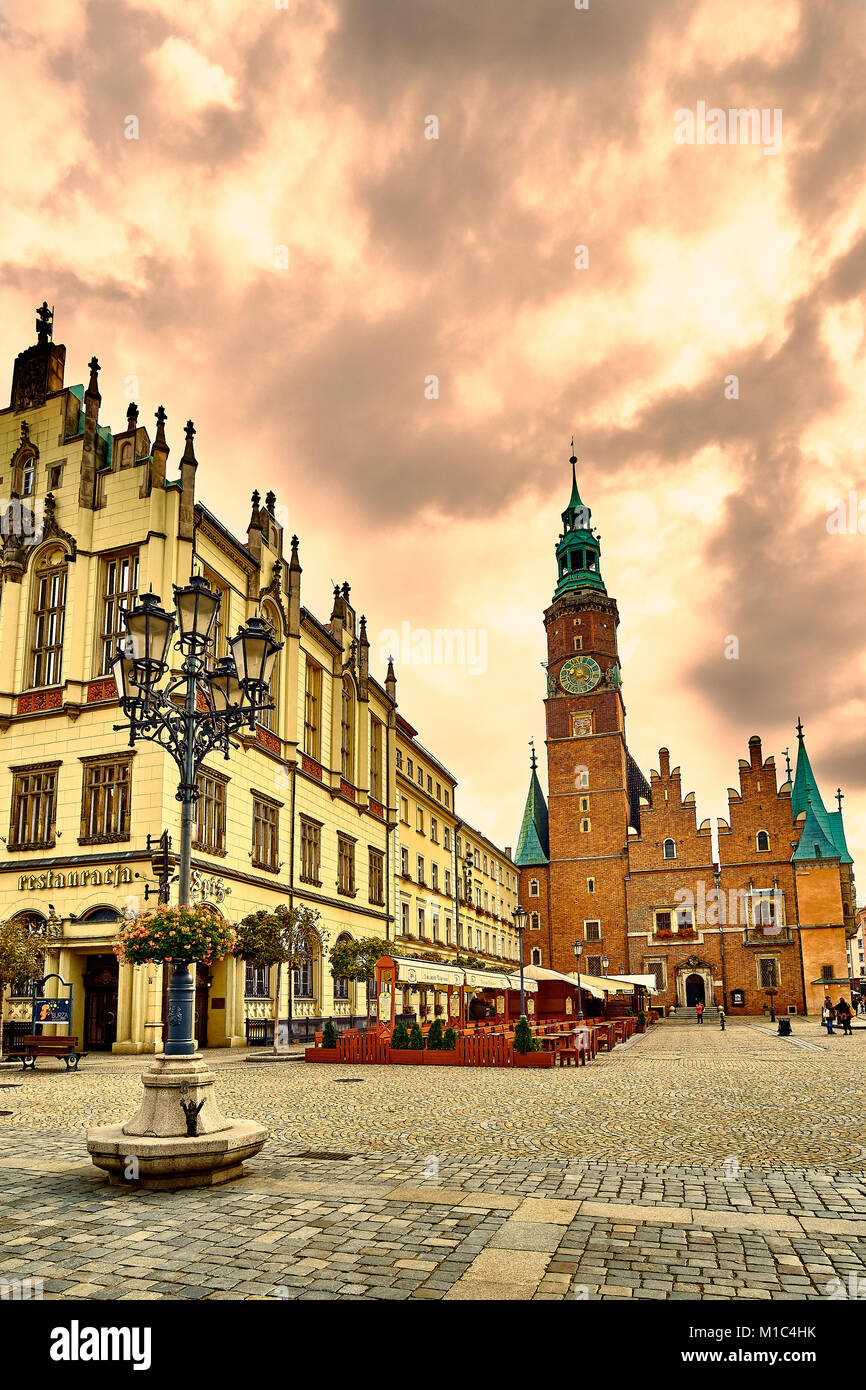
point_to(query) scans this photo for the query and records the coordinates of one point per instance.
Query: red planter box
(320, 1054)
(409, 1055)
(440, 1058)
(533, 1059)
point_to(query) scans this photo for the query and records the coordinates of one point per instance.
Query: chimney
(755, 752)
(664, 763)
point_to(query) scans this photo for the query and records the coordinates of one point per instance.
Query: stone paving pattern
(460, 1183)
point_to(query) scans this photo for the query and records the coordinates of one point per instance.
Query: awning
(427, 972)
(492, 979)
(538, 972)
(647, 982)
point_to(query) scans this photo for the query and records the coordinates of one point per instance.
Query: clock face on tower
(580, 674)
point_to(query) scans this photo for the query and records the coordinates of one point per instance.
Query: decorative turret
(188, 465)
(294, 591)
(578, 553)
(89, 461)
(159, 451)
(39, 370)
(533, 844)
(391, 681)
(823, 830)
(363, 657)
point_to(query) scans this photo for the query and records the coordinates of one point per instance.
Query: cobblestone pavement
(688, 1164)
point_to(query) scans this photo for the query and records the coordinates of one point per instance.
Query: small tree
(286, 936)
(434, 1037)
(523, 1039)
(329, 1034)
(416, 1037)
(22, 954)
(449, 1040)
(356, 960)
(400, 1036)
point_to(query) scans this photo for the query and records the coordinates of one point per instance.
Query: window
(448, 931)
(446, 838)
(535, 922)
(346, 865)
(311, 851)
(420, 867)
(404, 918)
(434, 877)
(669, 849)
(438, 791)
(404, 810)
(478, 938)
(303, 981)
(419, 820)
(34, 804)
(477, 896)
(477, 858)
(256, 984)
(593, 965)
(658, 969)
(768, 972)
(313, 711)
(420, 777)
(590, 885)
(341, 987)
(376, 759)
(399, 760)
(485, 863)
(536, 955)
(685, 919)
(486, 909)
(533, 888)
(105, 800)
(27, 475)
(435, 926)
(410, 767)
(55, 477)
(582, 777)
(664, 921)
(49, 609)
(448, 882)
(422, 922)
(584, 803)
(270, 718)
(429, 784)
(119, 591)
(447, 797)
(221, 622)
(266, 833)
(585, 826)
(434, 830)
(762, 841)
(347, 731)
(767, 908)
(377, 877)
(210, 834)
(592, 931)
(487, 943)
(826, 972)
(404, 862)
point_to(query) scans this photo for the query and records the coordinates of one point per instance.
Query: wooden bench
(62, 1047)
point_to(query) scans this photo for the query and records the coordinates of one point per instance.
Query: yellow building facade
(305, 810)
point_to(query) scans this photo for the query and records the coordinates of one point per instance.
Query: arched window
(533, 888)
(670, 849)
(126, 454)
(347, 731)
(536, 956)
(49, 611)
(270, 718)
(341, 982)
(763, 840)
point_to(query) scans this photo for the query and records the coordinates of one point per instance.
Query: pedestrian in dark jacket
(843, 1013)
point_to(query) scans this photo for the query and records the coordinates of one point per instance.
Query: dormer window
(669, 849)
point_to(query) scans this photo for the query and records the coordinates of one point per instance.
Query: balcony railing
(767, 936)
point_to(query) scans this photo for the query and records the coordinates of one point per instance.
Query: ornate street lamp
(578, 952)
(605, 964)
(189, 715)
(519, 914)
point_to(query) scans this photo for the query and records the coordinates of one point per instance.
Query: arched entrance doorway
(695, 990)
(100, 1003)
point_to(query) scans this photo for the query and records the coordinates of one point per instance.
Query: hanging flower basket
(174, 934)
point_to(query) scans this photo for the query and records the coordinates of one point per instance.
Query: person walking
(699, 1012)
(722, 1017)
(827, 1017)
(843, 1013)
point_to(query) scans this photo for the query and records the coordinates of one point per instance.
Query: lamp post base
(178, 1137)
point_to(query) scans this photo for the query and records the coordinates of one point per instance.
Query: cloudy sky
(284, 254)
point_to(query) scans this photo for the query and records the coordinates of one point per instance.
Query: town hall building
(618, 862)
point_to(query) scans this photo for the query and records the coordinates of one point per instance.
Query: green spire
(578, 554)
(814, 843)
(533, 845)
(823, 830)
(805, 789)
(837, 830)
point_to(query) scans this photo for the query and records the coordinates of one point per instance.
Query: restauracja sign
(75, 878)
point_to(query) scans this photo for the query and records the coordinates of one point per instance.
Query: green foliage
(21, 953)
(434, 1037)
(400, 1036)
(416, 1037)
(329, 1034)
(449, 1040)
(641, 1018)
(523, 1039)
(285, 936)
(356, 960)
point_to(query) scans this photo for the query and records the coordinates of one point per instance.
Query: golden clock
(579, 675)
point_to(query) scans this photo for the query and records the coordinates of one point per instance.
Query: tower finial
(788, 762)
(44, 323)
(533, 760)
(161, 418)
(799, 728)
(839, 795)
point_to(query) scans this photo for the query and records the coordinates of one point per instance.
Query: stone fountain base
(155, 1150)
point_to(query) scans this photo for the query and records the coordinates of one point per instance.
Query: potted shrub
(641, 1022)
(400, 1051)
(526, 1052)
(416, 1038)
(441, 1048)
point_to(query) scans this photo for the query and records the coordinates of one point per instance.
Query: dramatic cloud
(283, 254)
